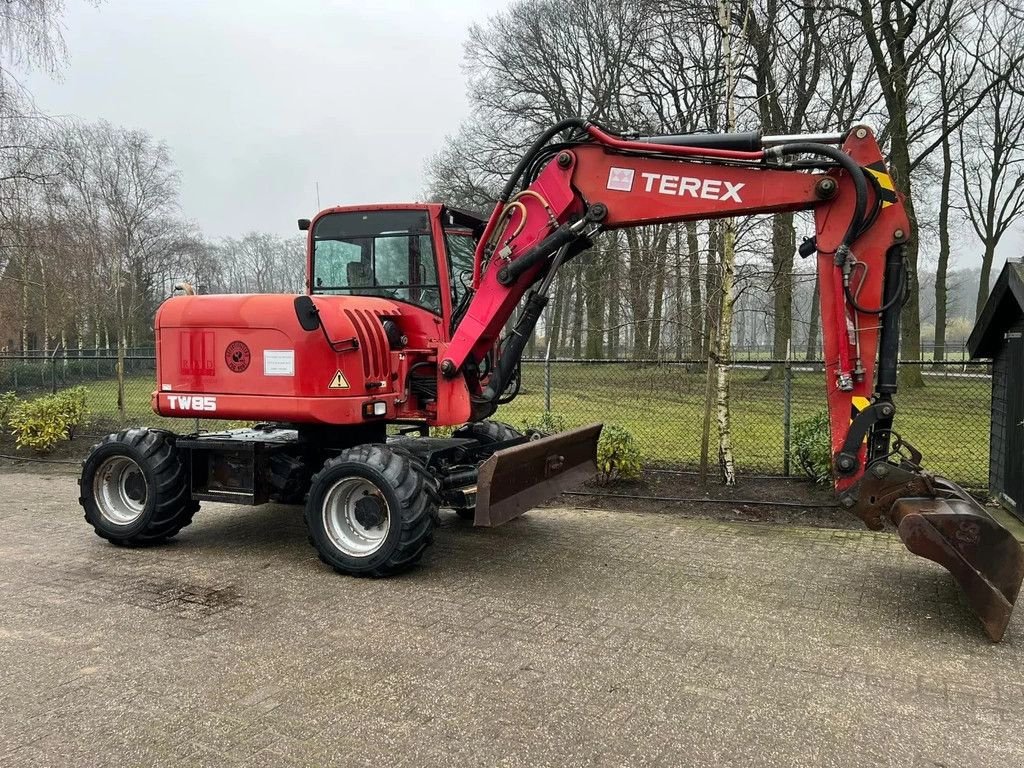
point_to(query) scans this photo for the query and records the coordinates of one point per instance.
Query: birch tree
(723, 416)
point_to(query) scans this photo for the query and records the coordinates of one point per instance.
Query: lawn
(663, 407)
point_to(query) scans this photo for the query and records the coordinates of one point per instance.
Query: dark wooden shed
(999, 334)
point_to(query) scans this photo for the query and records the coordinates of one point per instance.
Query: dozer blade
(515, 479)
(983, 557)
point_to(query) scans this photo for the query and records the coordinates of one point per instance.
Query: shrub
(618, 455)
(41, 423)
(71, 404)
(7, 401)
(546, 424)
(812, 447)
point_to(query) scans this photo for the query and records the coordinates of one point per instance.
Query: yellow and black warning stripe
(857, 404)
(886, 189)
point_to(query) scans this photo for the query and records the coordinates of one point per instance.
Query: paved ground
(563, 639)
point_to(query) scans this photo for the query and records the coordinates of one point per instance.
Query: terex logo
(708, 189)
(621, 180)
(190, 403)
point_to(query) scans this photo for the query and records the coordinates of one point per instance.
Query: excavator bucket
(515, 479)
(984, 558)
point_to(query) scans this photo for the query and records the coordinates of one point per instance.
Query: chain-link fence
(661, 403)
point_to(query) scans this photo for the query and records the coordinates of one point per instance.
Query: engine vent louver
(373, 343)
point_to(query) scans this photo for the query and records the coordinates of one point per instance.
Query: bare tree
(903, 38)
(120, 189)
(991, 148)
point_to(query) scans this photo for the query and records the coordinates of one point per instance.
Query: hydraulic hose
(537, 146)
(848, 164)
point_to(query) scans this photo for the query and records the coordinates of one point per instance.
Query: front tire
(134, 488)
(371, 511)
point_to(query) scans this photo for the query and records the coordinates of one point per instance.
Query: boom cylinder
(889, 341)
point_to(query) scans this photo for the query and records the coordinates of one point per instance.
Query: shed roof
(1004, 308)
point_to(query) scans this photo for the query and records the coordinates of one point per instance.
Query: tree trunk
(783, 248)
(696, 316)
(812, 323)
(986, 276)
(24, 304)
(712, 287)
(680, 315)
(657, 308)
(577, 314)
(595, 275)
(613, 297)
(556, 319)
(941, 294)
(910, 335)
(724, 350)
(638, 287)
(564, 332)
(122, 342)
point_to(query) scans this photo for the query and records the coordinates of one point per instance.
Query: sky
(261, 100)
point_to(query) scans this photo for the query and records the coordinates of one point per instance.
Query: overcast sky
(260, 100)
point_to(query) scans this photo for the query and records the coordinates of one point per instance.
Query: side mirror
(303, 225)
(306, 313)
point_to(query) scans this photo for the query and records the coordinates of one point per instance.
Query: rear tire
(486, 432)
(134, 488)
(371, 511)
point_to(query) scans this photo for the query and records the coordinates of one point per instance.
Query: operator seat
(360, 276)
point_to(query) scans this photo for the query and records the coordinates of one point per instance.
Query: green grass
(663, 407)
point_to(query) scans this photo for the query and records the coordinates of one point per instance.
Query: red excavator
(403, 327)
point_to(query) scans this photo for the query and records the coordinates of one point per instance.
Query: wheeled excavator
(409, 322)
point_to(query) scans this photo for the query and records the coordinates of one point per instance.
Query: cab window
(378, 253)
(461, 249)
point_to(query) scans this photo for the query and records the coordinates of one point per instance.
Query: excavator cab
(402, 254)
(387, 254)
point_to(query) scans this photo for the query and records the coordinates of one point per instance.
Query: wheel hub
(120, 490)
(135, 486)
(356, 516)
(370, 512)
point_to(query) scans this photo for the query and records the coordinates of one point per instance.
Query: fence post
(787, 412)
(547, 376)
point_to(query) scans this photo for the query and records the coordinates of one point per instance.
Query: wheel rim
(356, 516)
(120, 490)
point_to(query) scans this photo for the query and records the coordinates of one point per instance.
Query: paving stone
(566, 638)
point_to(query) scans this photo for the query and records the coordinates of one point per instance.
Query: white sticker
(621, 179)
(279, 362)
(166, 387)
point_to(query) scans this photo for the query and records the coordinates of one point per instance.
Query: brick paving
(566, 638)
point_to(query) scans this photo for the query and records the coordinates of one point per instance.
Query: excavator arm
(579, 179)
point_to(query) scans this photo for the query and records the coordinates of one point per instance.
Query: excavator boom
(579, 179)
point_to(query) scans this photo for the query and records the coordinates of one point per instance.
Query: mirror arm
(342, 345)
(308, 315)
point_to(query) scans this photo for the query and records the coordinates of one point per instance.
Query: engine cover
(246, 357)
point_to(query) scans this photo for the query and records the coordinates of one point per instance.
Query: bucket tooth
(984, 558)
(515, 479)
